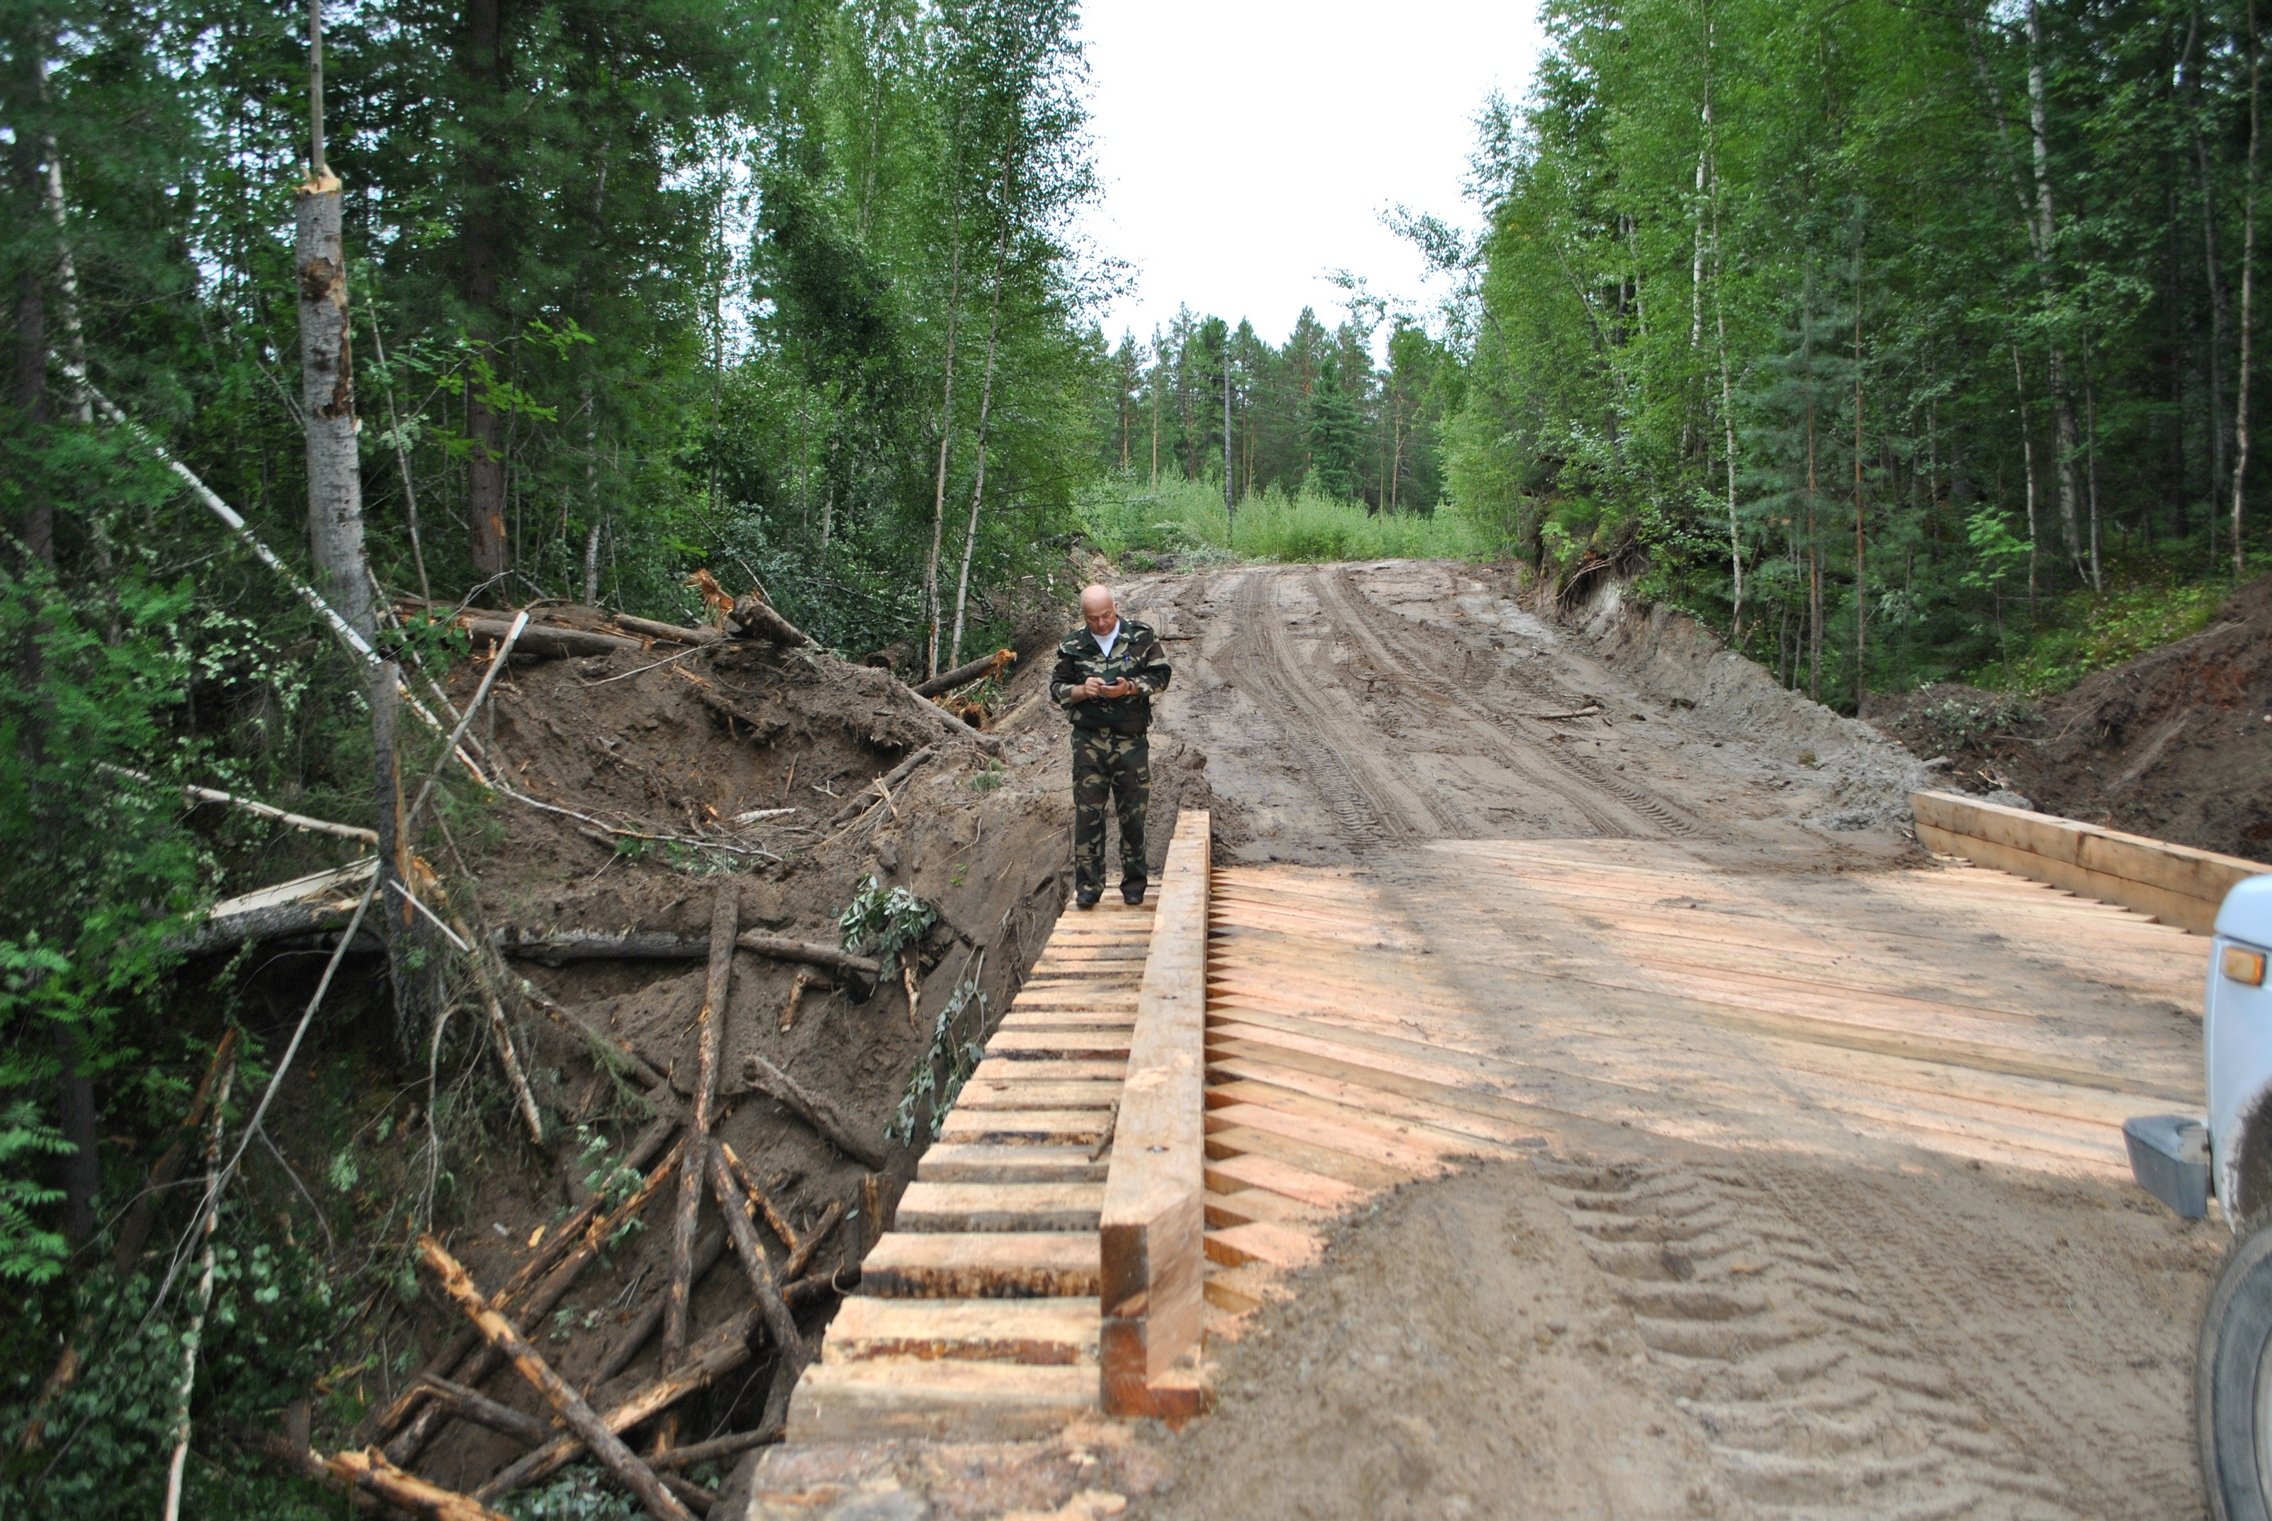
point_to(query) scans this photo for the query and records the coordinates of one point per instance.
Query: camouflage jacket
(1137, 655)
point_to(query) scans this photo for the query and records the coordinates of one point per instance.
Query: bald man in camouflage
(1107, 671)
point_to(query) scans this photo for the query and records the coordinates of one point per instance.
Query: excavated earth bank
(2176, 744)
(689, 744)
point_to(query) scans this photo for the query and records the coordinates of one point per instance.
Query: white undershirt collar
(1105, 642)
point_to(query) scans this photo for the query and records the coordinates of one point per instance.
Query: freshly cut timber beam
(2175, 883)
(1037, 1332)
(996, 1162)
(1153, 1237)
(999, 1207)
(981, 1265)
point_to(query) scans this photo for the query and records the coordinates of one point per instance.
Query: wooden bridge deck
(978, 1310)
(1553, 986)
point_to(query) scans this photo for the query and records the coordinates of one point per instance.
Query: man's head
(1098, 610)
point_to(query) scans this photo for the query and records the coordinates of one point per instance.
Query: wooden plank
(1227, 1140)
(981, 1265)
(936, 1397)
(933, 1206)
(1035, 1332)
(1153, 1239)
(2159, 869)
(1415, 1156)
(999, 1162)
(1284, 1247)
(1972, 1054)
(1244, 1288)
(1244, 1206)
(1077, 1021)
(1058, 1045)
(1445, 1109)
(1234, 1172)
(1012, 1094)
(1046, 1127)
(1044, 1070)
(2186, 913)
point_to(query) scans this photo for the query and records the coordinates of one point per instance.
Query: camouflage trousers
(1115, 768)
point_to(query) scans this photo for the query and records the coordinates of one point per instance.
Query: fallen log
(757, 1196)
(743, 1237)
(370, 1472)
(709, 1030)
(551, 640)
(609, 1049)
(579, 1417)
(964, 675)
(802, 1257)
(655, 945)
(480, 1359)
(760, 731)
(716, 1447)
(754, 617)
(815, 1111)
(670, 632)
(643, 1326)
(479, 1408)
(722, 1351)
(890, 779)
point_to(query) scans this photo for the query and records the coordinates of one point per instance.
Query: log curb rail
(2176, 884)
(1152, 1241)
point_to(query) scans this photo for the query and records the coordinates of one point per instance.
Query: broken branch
(743, 1236)
(890, 779)
(579, 1417)
(815, 1110)
(964, 675)
(717, 1354)
(369, 1472)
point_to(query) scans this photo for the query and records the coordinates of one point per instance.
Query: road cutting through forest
(1821, 1208)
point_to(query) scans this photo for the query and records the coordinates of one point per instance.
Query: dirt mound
(648, 780)
(2176, 744)
(1862, 782)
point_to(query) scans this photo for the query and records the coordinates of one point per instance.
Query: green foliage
(941, 1070)
(1181, 524)
(884, 923)
(2082, 633)
(580, 1492)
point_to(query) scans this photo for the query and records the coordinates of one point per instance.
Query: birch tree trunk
(946, 427)
(335, 523)
(985, 413)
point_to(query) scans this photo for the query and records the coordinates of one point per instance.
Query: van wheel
(2232, 1382)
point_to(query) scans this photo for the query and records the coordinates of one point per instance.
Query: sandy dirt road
(1820, 1209)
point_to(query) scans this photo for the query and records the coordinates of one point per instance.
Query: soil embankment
(2176, 744)
(653, 780)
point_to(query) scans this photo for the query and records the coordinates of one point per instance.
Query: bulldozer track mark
(1386, 641)
(1816, 1397)
(1361, 804)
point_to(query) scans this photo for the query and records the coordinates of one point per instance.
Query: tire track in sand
(1817, 1399)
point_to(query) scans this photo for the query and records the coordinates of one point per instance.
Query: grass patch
(1180, 524)
(2082, 632)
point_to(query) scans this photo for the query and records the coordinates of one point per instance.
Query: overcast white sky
(1248, 147)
